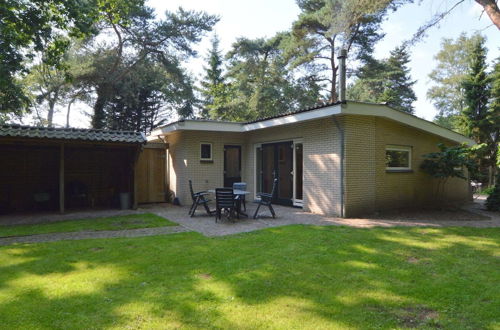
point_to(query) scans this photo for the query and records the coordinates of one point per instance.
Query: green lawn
(131, 221)
(288, 277)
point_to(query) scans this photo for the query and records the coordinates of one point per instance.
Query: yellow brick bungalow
(344, 159)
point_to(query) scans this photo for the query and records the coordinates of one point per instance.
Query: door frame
(238, 146)
(295, 202)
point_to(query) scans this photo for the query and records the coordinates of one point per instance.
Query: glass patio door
(275, 160)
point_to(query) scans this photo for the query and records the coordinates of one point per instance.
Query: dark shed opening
(49, 169)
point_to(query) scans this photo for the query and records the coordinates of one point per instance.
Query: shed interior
(92, 176)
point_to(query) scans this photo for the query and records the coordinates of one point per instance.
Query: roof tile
(71, 134)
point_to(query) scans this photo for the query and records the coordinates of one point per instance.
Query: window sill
(399, 171)
(206, 161)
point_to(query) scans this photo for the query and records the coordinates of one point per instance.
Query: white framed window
(397, 158)
(206, 151)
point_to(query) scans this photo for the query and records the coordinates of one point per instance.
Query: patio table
(238, 193)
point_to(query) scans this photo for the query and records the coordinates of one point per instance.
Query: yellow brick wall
(184, 153)
(370, 188)
(321, 185)
(321, 151)
(360, 166)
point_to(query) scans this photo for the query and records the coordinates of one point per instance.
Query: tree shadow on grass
(296, 276)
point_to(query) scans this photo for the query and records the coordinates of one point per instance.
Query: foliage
(121, 222)
(494, 115)
(476, 95)
(214, 89)
(146, 97)
(486, 191)
(493, 200)
(260, 82)
(167, 41)
(449, 162)
(480, 120)
(315, 277)
(31, 29)
(447, 92)
(46, 86)
(326, 26)
(386, 81)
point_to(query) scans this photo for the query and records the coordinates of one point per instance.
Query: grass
(131, 221)
(280, 278)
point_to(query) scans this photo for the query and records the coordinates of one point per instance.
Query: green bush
(487, 191)
(493, 201)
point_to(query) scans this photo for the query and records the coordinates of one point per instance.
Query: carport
(48, 169)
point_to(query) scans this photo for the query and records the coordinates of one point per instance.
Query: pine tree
(475, 118)
(398, 91)
(213, 84)
(477, 92)
(494, 119)
(386, 80)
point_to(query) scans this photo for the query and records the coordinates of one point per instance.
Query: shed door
(151, 176)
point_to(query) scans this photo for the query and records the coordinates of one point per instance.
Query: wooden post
(61, 179)
(135, 204)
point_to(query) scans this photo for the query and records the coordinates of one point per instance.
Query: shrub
(449, 162)
(486, 191)
(493, 201)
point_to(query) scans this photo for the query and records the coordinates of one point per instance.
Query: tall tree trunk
(50, 114)
(491, 8)
(99, 117)
(68, 111)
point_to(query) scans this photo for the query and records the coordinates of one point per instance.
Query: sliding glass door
(278, 160)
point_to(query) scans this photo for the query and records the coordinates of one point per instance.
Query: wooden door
(232, 165)
(151, 176)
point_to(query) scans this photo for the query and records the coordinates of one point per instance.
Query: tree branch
(492, 10)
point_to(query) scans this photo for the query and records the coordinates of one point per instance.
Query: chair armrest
(202, 193)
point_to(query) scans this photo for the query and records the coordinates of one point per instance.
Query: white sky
(263, 18)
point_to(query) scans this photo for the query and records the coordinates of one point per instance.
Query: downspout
(342, 157)
(342, 98)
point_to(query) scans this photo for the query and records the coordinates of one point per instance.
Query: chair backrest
(224, 197)
(240, 185)
(275, 188)
(191, 190)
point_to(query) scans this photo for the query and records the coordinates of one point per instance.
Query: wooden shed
(65, 168)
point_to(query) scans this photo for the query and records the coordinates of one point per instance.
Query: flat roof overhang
(348, 108)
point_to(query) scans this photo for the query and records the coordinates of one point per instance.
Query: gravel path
(92, 234)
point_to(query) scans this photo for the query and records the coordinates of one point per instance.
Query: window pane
(206, 151)
(397, 158)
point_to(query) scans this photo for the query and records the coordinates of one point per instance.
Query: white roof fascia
(196, 125)
(354, 108)
(351, 108)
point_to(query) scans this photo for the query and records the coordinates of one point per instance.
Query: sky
(263, 18)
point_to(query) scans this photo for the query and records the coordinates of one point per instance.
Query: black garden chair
(198, 199)
(224, 201)
(267, 200)
(241, 186)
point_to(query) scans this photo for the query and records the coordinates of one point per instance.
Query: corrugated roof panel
(71, 134)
